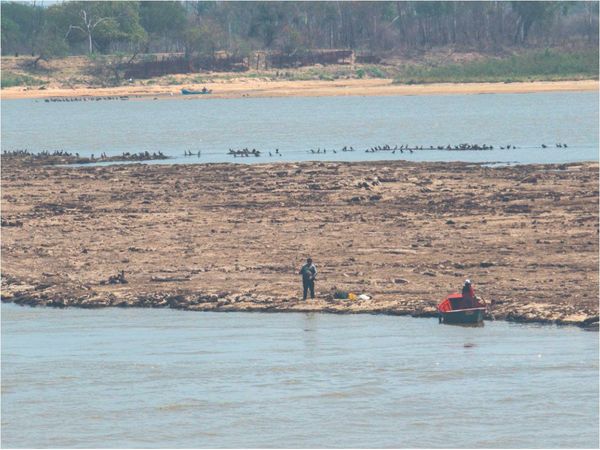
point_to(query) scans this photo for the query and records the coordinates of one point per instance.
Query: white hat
(467, 281)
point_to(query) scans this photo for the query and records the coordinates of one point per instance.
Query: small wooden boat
(456, 309)
(192, 92)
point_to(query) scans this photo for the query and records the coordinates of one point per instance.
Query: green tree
(51, 42)
(163, 20)
(103, 23)
(528, 13)
(266, 21)
(11, 34)
(204, 39)
(203, 27)
(20, 25)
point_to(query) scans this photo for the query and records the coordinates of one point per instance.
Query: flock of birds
(465, 146)
(85, 99)
(246, 152)
(557, 146)
(190, 153)
(125, 156)
(318, 150)
(43, 153)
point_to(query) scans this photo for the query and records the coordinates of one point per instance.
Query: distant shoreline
(242, 88)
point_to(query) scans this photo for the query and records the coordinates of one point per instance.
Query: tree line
(199, 27)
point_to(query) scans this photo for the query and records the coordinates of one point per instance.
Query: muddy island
(232, 237)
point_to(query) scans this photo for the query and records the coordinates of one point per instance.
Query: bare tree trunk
(89, 27)
(229, 34)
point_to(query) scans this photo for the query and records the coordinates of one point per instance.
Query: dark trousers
(309, 284)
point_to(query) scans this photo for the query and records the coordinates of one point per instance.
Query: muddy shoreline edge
(251, 88)
(259, 304)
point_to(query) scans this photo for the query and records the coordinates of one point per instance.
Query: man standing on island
(309, 273)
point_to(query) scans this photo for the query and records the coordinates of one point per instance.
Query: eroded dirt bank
(232, 237)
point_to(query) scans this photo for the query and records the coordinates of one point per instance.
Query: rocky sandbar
(231, 237)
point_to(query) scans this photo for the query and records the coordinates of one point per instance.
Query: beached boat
(456, 309)
(192, 92)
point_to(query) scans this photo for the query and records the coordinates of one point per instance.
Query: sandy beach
(229, 237)
(256, 87)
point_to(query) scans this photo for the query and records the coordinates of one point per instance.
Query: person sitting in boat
(204, 90)
(468, 294)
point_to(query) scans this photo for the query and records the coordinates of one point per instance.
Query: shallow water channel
(166, 378)
(296, 125)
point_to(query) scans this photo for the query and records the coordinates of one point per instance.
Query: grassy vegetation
(326, 73)
(199, 79)
(545, 65)
(170, 80)
(10, 79)
(536, 66)
(305, 75)
(371, 72)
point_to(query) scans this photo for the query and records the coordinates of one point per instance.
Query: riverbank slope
(231, 237)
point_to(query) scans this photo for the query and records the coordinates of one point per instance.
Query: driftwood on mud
(168, 279)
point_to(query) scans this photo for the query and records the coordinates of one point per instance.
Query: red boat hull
(456, 309)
